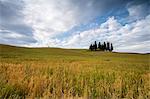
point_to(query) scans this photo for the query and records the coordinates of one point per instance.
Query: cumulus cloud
(126, 38)
(50, 18)
(38, 23)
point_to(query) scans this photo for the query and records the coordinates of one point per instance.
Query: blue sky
(76, 23)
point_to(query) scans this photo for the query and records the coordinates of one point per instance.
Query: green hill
(57, 73)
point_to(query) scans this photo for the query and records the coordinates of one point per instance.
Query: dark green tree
(104, 46)
(95, 46)
(99, 45)
(111, 48)
(108, 46)
(90, 47)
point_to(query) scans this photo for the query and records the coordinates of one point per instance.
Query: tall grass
(59, 73)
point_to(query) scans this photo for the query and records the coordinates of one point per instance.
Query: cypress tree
(104, 46)
(111, 49)
(95, 45)
(108, 46)
(99, 45)
(90, 47)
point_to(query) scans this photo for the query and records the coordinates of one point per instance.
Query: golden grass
(72, 74)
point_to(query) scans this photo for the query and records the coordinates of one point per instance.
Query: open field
(65, 73)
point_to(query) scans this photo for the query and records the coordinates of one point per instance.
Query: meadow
(54, 73)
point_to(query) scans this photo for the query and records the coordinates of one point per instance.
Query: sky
(76, 23)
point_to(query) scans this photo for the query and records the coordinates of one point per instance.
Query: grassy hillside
(70, 73)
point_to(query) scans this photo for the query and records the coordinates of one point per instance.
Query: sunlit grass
(59, 73)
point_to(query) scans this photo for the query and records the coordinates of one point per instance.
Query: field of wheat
(52, 73)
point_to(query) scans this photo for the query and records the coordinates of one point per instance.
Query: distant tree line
(102, 47)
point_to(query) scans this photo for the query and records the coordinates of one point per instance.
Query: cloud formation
(75, 23)
(130, 37)
(49, 18)
(12, 24)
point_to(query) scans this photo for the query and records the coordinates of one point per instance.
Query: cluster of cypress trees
(102, 47)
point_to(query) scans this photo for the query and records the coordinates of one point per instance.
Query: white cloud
(50, 18)
(133, 37)
(137, 12)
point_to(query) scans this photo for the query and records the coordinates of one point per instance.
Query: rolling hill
(72, 73)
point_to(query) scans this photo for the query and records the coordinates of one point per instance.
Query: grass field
(66, 73)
